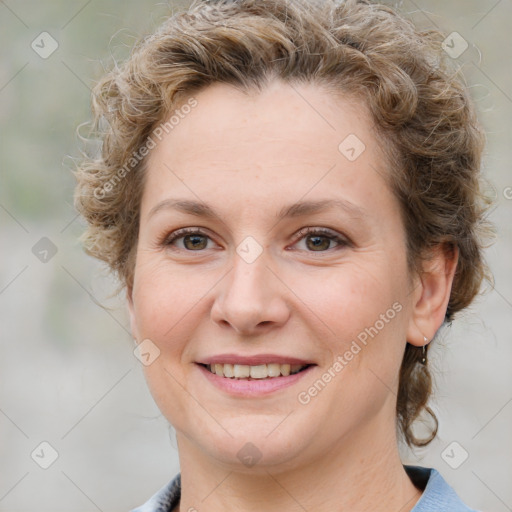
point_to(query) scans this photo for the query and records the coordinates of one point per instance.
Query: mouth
(255, 372)
(253, 376)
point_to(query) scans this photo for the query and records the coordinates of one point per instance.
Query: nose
(251, 299)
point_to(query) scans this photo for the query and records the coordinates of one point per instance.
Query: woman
(290, 193)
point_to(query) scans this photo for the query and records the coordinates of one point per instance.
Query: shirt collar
(437, 495)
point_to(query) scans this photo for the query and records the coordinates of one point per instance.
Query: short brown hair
(418, 102)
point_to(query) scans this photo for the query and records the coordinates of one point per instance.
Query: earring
(424, 354)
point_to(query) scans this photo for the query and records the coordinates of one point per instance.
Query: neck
(360, 474)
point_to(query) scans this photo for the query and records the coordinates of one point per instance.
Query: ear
(131, 312)
(431, 294)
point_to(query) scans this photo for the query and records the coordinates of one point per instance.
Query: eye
(194, 239)
(319, 239)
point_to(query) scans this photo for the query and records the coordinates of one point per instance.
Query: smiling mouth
(257, 372)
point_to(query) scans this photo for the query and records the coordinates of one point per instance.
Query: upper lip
(253, 360)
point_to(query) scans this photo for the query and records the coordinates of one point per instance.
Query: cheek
(163, 298)
(352, 297)
(165, 303)
(364, 318)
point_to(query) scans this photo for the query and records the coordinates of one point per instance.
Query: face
(260, 281)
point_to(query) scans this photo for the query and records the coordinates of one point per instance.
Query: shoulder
(438, 495)
(165, 499)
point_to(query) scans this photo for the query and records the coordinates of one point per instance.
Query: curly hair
(419, 104)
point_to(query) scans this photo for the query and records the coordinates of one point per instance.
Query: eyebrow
(300, 209)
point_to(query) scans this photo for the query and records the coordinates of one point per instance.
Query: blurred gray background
(68, 374)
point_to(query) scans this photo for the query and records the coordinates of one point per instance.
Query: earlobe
(433, 294)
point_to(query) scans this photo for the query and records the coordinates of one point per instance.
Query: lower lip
(256, 387)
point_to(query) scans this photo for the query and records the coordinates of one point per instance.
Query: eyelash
(341, 241)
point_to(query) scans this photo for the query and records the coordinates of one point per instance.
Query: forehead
(280, 144)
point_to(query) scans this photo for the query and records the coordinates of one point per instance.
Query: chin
(269, 444)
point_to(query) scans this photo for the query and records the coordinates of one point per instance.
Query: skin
(248, 156)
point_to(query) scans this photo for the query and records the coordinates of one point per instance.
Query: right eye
(194, 239)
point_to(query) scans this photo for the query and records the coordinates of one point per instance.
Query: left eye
(317, 239)
(320, 239)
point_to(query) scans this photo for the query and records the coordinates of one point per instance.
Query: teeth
(229, 371)
(273, 370)
(242, 371)
(261, 371)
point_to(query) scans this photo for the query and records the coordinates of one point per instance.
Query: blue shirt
(437, 495)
